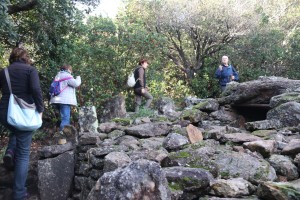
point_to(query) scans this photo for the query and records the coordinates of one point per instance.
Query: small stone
(264, 147)
(292, 148)
(116, 134)
(54, 150)
(107, 127)
(194, 134)
(114, 160)
(284, 166)
(175, 141)
(236, 187)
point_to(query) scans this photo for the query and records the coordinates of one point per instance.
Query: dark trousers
(138, 99)
(19, 143)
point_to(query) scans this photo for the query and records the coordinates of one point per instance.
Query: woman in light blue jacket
(67, 96)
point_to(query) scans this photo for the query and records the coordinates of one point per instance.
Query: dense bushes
(183, 52)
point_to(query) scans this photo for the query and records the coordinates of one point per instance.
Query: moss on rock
(122, 121)
(264, 133)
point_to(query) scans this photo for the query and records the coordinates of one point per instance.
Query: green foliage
(204, 84)
(3, 131)
(181, 154)
(122, 121)
(293, 55)
(183, 40)
(144, 112)
(38, 135)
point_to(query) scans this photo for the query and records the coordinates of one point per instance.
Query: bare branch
(16, 8)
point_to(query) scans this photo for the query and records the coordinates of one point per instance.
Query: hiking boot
(60, 138)
(8, 160)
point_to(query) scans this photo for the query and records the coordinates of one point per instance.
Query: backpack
(131, 80)
(55, 86)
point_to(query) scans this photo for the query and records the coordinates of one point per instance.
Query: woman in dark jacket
(26, 85)
(140, 88)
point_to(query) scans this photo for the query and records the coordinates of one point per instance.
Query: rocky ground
(209, 150)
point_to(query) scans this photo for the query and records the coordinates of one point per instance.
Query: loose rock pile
(205, 151)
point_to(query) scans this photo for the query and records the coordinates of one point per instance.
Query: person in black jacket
(140, 89)
(26, 85)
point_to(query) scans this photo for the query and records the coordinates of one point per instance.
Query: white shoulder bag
(131, 80)
(21, 115)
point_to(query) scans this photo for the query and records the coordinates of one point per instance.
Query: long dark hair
(19, 54)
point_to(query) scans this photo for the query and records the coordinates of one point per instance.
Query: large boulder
(165, 105)
(221, 198)
(104, 150)
(193, 115)
(263, 125)
(216, 132)
(193, 158)
(239, 137)
(236, 187)
(107, 127)
(54, 150)
(288, 114)
(190, 101)
(88, 119)
(114, 160)
(87, 138)
(141, 179)
(148, 130)
(279, 191)
(128, 141)
(257, 91)
(284, 166)
(155, 155)
(207, 105)
(194, 182)
(55, 176)
(116, 134)
(113, 108)
(284, 98)
(152, 143)
(292, 148)
(228, 117)
(238, 164)
(264, 147)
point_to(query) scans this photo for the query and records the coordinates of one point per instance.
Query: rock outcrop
(207, 150)
(141, 179)
(113, 108)
(258, 91)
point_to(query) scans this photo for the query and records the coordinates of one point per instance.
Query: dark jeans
(65, 113)
(19, 142)
(138, 99)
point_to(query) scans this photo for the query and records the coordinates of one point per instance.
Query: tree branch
(16, 8)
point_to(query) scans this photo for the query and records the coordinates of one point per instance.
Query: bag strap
(64, 79)
(8, 79)
(133, 71)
